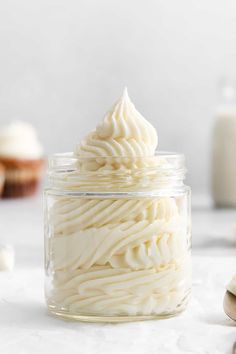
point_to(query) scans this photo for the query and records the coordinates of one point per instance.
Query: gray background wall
(64, 62)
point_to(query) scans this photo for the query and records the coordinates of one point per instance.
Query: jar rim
(67, 171)
(57, 159)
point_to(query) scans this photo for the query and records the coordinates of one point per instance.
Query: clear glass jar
(117, 237)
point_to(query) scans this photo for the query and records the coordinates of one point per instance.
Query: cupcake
(2, 178)
(21, 154)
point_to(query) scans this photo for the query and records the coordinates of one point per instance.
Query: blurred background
(64, 63)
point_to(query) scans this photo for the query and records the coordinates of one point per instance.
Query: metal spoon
(234, 348)
(230, 305)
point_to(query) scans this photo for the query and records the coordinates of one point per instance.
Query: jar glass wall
(117, 249)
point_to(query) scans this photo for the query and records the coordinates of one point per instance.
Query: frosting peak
(122, 132)
(118, 113)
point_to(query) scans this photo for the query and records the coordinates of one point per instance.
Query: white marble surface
(26, 328)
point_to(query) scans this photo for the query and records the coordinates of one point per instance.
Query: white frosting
(7, 257)
(19, 140)
(123, 132)
(231, 287)
(114, 256)
(119, 291)
(110, 234)
(123, 143)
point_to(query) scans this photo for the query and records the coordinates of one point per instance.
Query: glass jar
(117, 237)
(224, 147)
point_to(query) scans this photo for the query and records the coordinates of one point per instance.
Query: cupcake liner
(2, 178)
(16, 190)
(21, 177)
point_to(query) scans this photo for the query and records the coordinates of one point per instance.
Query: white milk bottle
(224, 149)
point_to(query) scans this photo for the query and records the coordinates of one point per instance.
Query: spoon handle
(234, 348)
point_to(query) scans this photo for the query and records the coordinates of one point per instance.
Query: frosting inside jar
(118, 255)
(19, 140)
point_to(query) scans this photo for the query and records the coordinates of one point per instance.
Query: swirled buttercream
(123, 132)
(118, 254)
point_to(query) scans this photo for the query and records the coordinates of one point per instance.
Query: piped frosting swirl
(118, 255)
(123, 132)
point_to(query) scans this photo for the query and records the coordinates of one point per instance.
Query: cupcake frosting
(19, 140)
